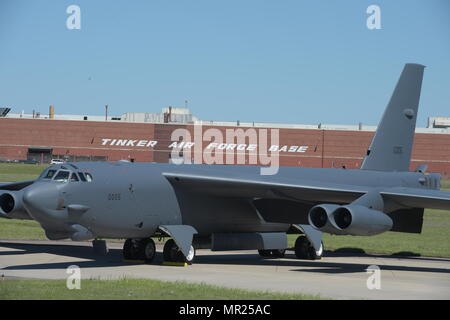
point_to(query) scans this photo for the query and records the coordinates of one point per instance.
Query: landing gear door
(314, 236)
(182, 235)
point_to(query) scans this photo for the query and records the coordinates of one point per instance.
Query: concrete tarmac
(340, 276)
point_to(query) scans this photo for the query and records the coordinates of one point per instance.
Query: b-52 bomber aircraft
(234, 207)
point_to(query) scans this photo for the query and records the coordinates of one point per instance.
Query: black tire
(314, 255)
(129, 250)
(147, 250)
(278, 253)
(305, 250)
(176, 255)
(301, 248)
(167, 251)
(172, 253)
(265, 253)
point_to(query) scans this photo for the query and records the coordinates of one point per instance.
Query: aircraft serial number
(113, 196)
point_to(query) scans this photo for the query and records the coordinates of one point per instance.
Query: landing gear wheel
(189, 259)
(316, 255)
(305, 250)
(167, 251)
(130, 250)
(147, 250)
(172, 253)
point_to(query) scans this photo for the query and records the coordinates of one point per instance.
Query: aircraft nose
(41, 199)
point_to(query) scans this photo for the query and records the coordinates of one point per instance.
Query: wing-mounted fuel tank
(11, 205)
(362, 217)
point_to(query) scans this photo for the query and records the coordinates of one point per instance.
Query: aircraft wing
(14, 186)
(419, 198)
(307, 191)
(303, 191)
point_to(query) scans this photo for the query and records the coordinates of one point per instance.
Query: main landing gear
(304, 249)
(139, 249)
(172, 253)
(144, 249)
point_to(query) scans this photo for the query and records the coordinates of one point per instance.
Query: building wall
(325, 148)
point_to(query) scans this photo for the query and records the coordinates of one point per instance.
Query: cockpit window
(62, 176)
(50, 174)
(82, 177)
(74, 177)
(88, 177)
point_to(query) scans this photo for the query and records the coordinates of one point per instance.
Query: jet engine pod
(358, 220)
(321, 218)
(11, 205)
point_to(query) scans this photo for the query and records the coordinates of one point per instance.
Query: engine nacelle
(11, 205)
(359, 220)
(321, 218)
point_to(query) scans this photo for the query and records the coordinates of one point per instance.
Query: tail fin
(391, 146)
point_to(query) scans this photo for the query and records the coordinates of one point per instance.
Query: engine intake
(7, 203)
(342, 217)
(361, 221)
(352, 219)
(11, 205)
(320, 217)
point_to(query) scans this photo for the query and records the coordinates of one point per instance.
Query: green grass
(20, 171)
(21, 229)
(136, 289)
(445, 184)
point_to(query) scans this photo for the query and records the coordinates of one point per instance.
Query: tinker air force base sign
(230, 139)
(213, 146)
(188, 145)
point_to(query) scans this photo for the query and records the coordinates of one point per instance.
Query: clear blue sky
(253, 60)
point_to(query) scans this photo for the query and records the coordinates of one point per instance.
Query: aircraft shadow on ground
(114, 259)
(357, 252)
(316, 266)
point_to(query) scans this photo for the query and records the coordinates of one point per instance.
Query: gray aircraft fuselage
(130, 200)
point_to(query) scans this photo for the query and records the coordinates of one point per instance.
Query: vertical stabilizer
(391, 146)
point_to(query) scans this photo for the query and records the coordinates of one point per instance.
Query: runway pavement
(338, 276)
